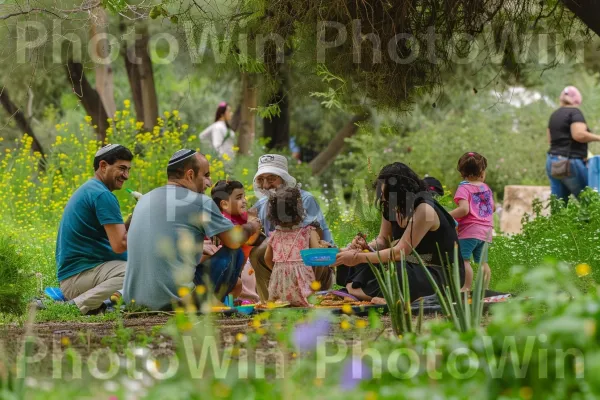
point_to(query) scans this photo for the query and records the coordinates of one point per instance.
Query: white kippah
(107, 149)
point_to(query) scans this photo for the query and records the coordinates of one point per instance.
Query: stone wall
(517, 203)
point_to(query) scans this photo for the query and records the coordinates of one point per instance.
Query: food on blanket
(333, 300)
(272, 304)
(219, 308)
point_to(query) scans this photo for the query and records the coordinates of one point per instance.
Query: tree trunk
(141, 79)
(247, 125)
(20, 119)
(277, 128)
(327, 156)
(88, 97)
(101, 51)
(588, 11)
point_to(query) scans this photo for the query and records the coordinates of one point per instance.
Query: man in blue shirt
(273, 173)
(92, 238)
(167, 255)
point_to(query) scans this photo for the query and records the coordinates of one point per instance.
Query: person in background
(434, 185)
(219, 136)
(568, 136)
(92, 238)
(296, 151)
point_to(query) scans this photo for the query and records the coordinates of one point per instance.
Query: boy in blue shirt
(91, 248)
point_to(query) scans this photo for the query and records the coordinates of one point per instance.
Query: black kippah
(180, 156)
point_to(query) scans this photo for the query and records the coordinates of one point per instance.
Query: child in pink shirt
(474, 214)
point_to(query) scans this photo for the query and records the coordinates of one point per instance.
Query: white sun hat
(273, 164)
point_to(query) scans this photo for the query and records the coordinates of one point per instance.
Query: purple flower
(353, 373)
(305, 336)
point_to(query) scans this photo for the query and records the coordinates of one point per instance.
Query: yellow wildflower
(347, 309)
(371, 396)
(345, 325)
(526, 392)
(183, 291)
(361, 324)
(315, 285)
(200, 289)
(240, 337)
(583, 269)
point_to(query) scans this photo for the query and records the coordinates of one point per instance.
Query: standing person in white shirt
(219, 135)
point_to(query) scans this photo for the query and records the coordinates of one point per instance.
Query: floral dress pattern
(291, 278)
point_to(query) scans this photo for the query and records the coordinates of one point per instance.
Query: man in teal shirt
(92, 238)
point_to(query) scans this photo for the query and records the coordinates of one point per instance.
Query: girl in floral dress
(291, 278)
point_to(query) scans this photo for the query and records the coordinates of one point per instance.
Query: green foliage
(15, 276)
(570, 233)
(440, 129)
(396, 296)
(463, 310)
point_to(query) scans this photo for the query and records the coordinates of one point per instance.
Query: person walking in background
(219, 136)
(568, 136)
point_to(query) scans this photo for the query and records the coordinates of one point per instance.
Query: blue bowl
(246, 309)
(319, 257)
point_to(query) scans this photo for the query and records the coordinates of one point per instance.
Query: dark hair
(111, 157)
(285, 206)
(434, 185)
(222, 190)
(472, 165)
(398, 187)
(221, 110)
(177, 171)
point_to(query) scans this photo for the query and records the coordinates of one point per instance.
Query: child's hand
(324, 244)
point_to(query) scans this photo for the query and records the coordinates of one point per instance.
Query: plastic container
(319, 257)
(136, 195)
(245, 309)
(593, 165)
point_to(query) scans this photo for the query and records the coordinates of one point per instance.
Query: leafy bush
(571, 233)
(15, 275)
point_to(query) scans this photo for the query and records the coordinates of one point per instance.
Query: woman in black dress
(412, 217)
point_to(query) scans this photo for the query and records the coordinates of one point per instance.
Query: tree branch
(30, 11)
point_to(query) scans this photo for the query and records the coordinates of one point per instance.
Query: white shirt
(219, 137)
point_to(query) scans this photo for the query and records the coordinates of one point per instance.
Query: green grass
(64, 312)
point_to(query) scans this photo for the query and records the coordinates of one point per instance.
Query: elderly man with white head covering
(273, 173)
(92, 238)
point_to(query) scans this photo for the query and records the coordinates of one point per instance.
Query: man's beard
(267, 192)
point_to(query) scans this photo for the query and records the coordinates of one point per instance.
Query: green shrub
(15, 276)
(571, 233)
